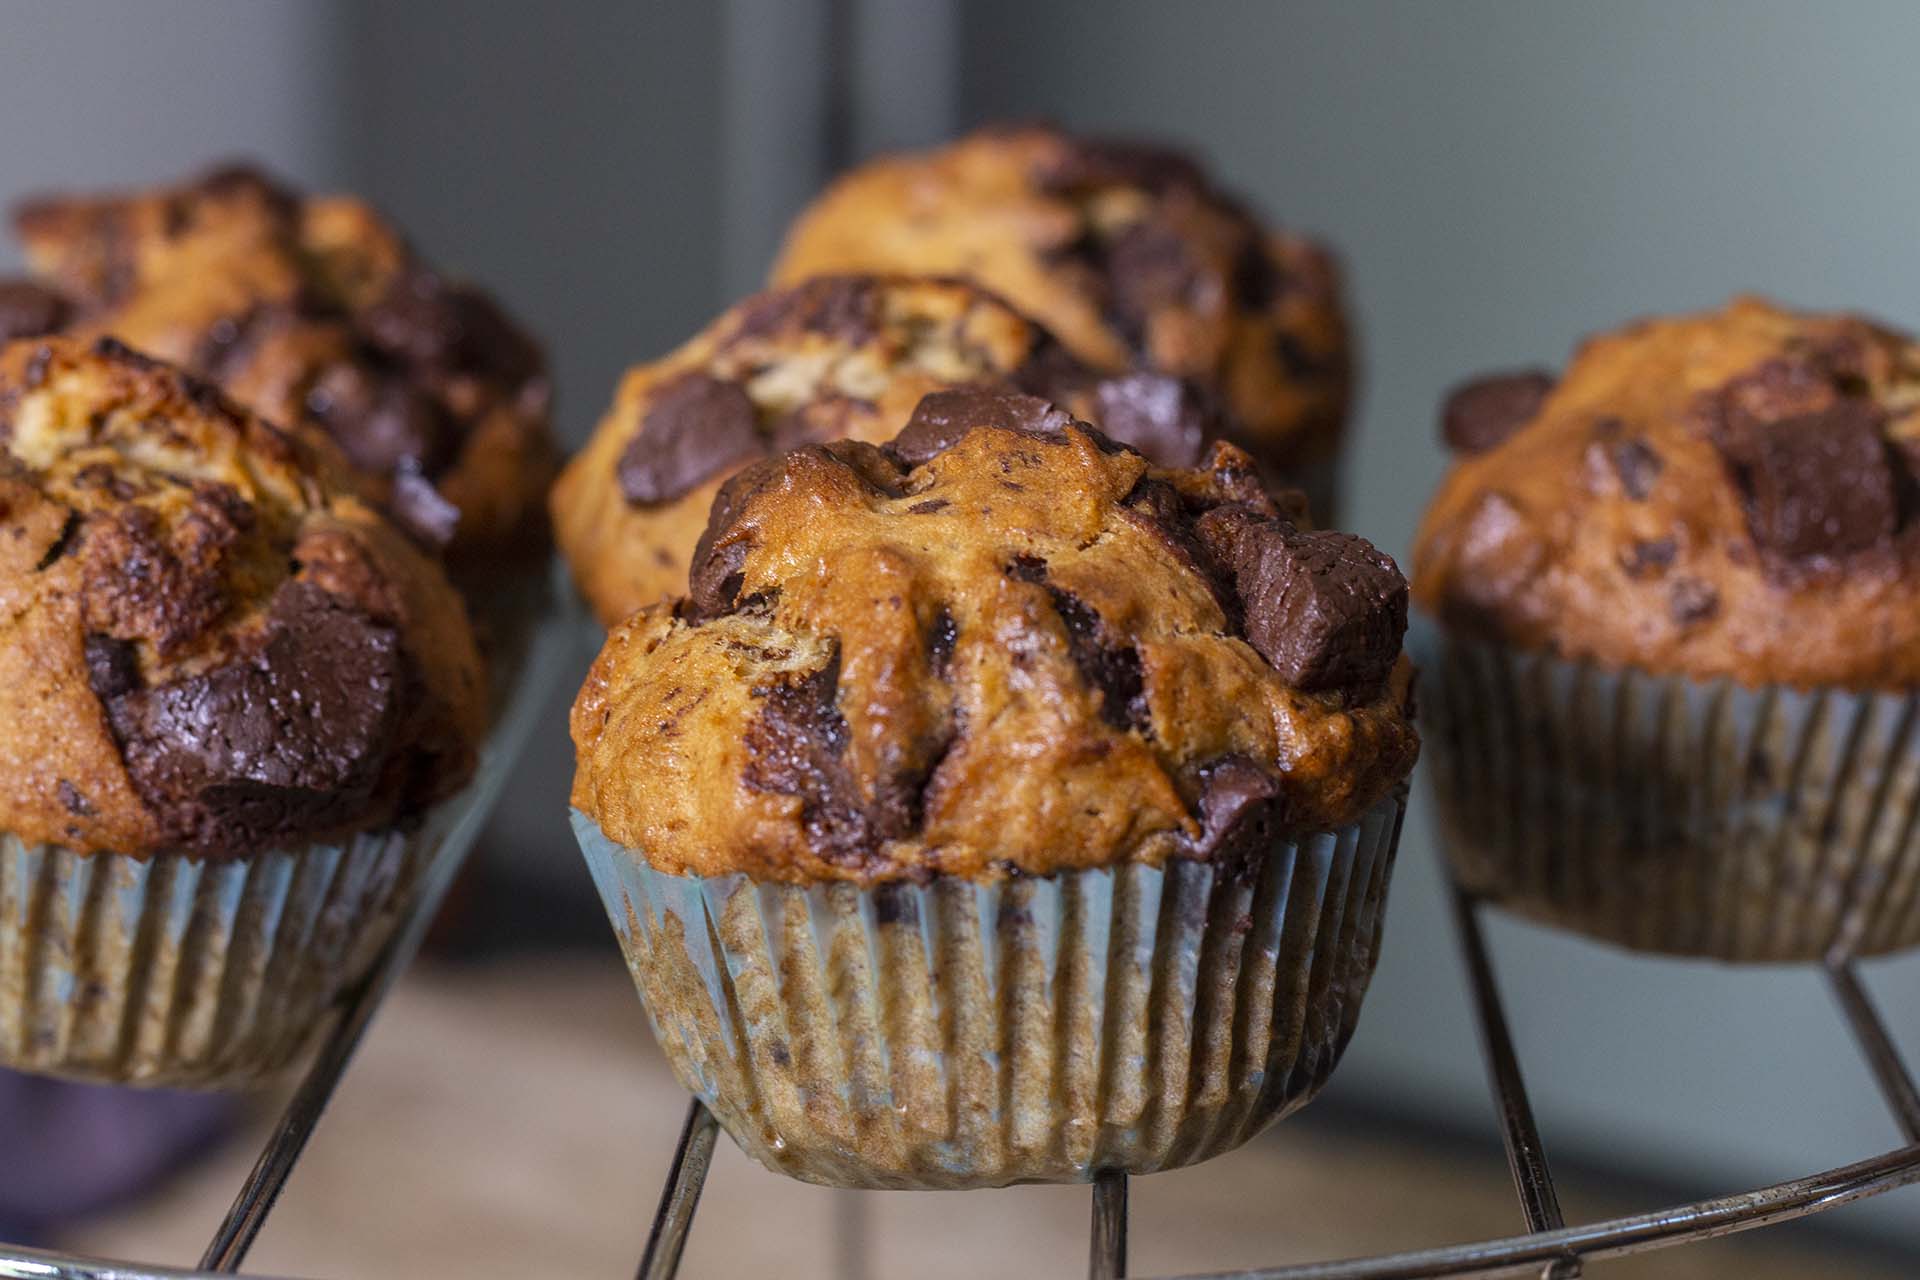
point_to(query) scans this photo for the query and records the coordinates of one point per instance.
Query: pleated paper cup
(1040, 1029)
(1689, 817)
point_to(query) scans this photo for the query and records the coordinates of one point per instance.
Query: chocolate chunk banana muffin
(1679, 593)
(999, 806)
(835, 357)
(313, 310)
(1130, 254)
(231, 692)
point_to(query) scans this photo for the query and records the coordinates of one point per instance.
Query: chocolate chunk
(1637, 465)
(1237, 809)
(797, 746)
(383, 423)
(713, 578)
(286, 743)
(430, 323)
(1111, 668)
(1822, 483)
(29, 311)
(72, 799)
(943, 418)
(840, 307)
(942, 634)
(1643, 558)
(238, 180)
(1165, 418)
(1325, 609)
(1257, 279)
(1149, 268)
(1482, 413)
(697, 427)
(1691, 601)
(113, 666)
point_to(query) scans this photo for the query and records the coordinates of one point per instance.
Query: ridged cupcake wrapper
(1037, 1030)
(1676, 815)
(185, 972)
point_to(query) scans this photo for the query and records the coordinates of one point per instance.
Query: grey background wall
(1501, 177)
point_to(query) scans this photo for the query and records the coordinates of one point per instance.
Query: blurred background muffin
(1679, 594)
(231, 694)
(313, 310)
(1131, 255)
(1039, 802)
(830, 358)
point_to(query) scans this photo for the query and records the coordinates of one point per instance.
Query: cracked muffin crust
(1000, 643)
(312, 311)
(1732, 493)
(216, 647)
(835, 357)
(1127, 252)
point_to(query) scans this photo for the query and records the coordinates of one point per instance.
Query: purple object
(73, 1149)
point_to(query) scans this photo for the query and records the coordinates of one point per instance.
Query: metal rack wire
(1549, 1248)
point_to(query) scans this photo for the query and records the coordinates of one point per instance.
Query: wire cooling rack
(1550, 1249)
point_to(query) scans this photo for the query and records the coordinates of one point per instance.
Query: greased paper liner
(187, 972)
(1037, 1030)
(1676, 815)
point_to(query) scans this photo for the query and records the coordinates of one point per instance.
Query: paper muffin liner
(199, 973)
(1041, 1029)
(181, 971)
(1667, 814)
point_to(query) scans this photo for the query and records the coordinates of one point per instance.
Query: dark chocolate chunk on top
(1482, 413)
(698, 427)
(1822, 483)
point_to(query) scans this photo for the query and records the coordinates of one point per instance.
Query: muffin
(998, 806)
(314, 311)
(232, 696)
(1677, 596)
(835, 357)
(1131, 255)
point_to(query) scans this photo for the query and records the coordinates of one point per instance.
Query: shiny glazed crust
(997, 659)
(1626, 520)
(216, 647)
(1126, 252)
(313, 310)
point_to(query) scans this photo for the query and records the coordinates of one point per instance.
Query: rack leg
(1526, 1153)
(681, 1196)
(1895, 1081)
(1108, 1255)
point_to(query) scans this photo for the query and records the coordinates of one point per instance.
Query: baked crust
(1127, 252)
(1723, 494)
(313, 310)
(833, 357)
(215, 645)
(1001, 644)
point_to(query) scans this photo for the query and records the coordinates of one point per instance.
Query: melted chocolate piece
(1637, 465)
(797, 746)
(1237, 810)
(1085, 163)
(1645, 558)
(383, 424)
(421, 510)
(841, 307)
(1113, 670)
(943, 418)
(1691, 601)
(1325, 609)
(1149, 268)
(284, 744)
(1822, 484)
(29, 311)
(697, 428)
(429, 323)
(1163, 417)
(942, 635)
(1482, 413)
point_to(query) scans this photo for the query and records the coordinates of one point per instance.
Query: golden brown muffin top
(1000, 643)
(312, 310)
(835, 357)
(1126, 251)
(215, 646)
(1730, 493)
